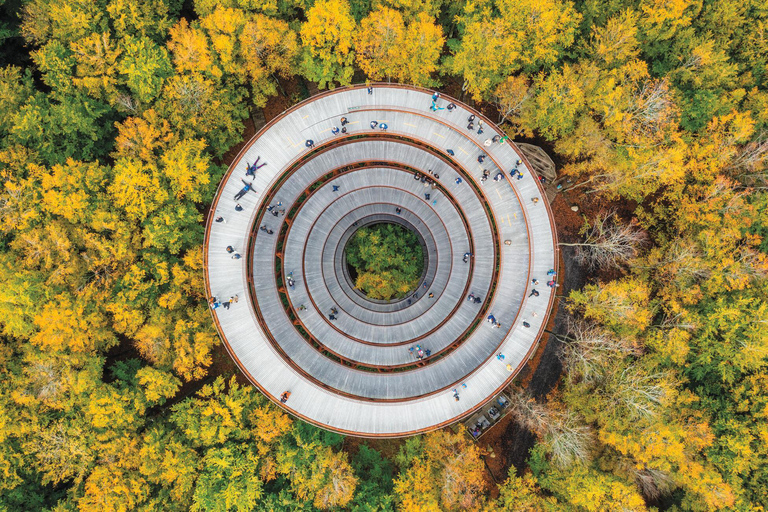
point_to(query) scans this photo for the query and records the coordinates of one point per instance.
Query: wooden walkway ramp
(417, 167)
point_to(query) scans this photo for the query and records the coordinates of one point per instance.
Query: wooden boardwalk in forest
(355, 374)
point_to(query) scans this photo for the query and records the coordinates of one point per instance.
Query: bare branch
(609, 243)
(589, 350)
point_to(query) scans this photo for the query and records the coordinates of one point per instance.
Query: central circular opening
(385, 260)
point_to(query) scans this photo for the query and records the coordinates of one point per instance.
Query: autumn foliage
(115, 117)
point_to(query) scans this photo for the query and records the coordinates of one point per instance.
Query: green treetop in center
(387, 259)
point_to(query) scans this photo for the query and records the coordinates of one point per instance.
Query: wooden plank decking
(274, 354)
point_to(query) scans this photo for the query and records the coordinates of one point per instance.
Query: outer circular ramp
(355, 373)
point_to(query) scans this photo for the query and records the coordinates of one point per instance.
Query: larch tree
(422, 47)
(528, 36)
(440, 471)
(269, 49)
(327, 38)
(379, 44)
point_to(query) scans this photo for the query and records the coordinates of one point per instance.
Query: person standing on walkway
(244, 190)
(534, 293)
(374, 124)
(335, 130)
(310, 143)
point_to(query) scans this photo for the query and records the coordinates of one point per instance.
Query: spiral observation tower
(353, 157)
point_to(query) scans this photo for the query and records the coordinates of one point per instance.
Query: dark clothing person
(230, 249)
(238, 208)
(481, 159)
(374, 124)
(344, 121)
(534, 293)
(335, 130)
(526, 324)
(310, 143)
(370, 90)
(219, 219)
(451, 106)
(471, 118)
(244, 191)
(335, 188)
(450, 152)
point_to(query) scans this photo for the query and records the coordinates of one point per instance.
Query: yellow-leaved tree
(327, 37)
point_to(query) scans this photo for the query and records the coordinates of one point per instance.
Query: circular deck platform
(355, 373)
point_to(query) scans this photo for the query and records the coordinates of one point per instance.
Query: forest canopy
(116, 122)
(387, 260)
